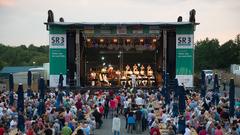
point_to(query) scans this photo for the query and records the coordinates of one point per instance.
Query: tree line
(23, 55)
(209, 54)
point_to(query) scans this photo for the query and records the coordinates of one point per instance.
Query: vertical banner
(57, 58)
(184, 59)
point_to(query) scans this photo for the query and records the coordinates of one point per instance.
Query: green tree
(206, 52)
(237, 39)
(22, 55)
(229, 53)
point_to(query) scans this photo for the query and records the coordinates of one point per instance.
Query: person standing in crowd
(97, 116)
(203, 131)
(126, 112)
(2, 130)
(86, 128)
(188, 130)
(106, 108)
(80, 115)
(48, 130)
(144, 118)
(116, 125)
(56, 127)
(66, 130)
(130, 122)
(218, 131)
(80, 132)
(100, 109)
(112, 105)
(13, 123)
(30, 131)
(138, 121)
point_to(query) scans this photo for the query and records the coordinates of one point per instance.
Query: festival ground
(107, 128)
(107, 123)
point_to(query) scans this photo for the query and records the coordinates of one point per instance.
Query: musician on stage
(128, 68)
(123, 81)
(149, 71)
(93, 77)
(128, 72)
(139, 80)
(135, 69)
(145, 80)
(142, 72)
(133, 77)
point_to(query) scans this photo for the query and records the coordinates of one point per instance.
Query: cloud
(7, 3)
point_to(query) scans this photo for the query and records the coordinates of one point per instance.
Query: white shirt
(116, 125)
(164, 117)
(13, 124)
(133, 77)
(187, 131)
(139, 101)
(150, 116)
(125, 104)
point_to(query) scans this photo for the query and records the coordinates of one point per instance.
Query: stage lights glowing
(102, 58)
(154, 40)
(141, 40)
(128, 40)
(101, 40)
(88, 40)
(115, 40)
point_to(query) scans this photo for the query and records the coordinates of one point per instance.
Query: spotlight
(115, 40)
(102, 58)
(128, 40)
(141, 40)
(88, 40)
(101, 40)
(154, 40)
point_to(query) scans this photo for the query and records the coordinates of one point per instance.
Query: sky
(21, 21)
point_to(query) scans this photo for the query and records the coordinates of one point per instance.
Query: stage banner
(89, 30)
(57, 58)
(184, 59)
(121, 29)
(154, 29)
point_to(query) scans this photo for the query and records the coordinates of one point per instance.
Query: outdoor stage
(106, 54)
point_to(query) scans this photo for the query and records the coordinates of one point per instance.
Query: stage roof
(119, 23)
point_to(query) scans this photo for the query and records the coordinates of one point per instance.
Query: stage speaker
(171, 54)
(83, 74)
(71, 54)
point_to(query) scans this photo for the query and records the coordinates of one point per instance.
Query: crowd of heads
(80, 113)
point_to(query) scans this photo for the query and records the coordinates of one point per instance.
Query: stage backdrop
(57, 55)
(184, 55)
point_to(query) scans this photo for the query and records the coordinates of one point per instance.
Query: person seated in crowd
(155, 130)
(98, 117)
